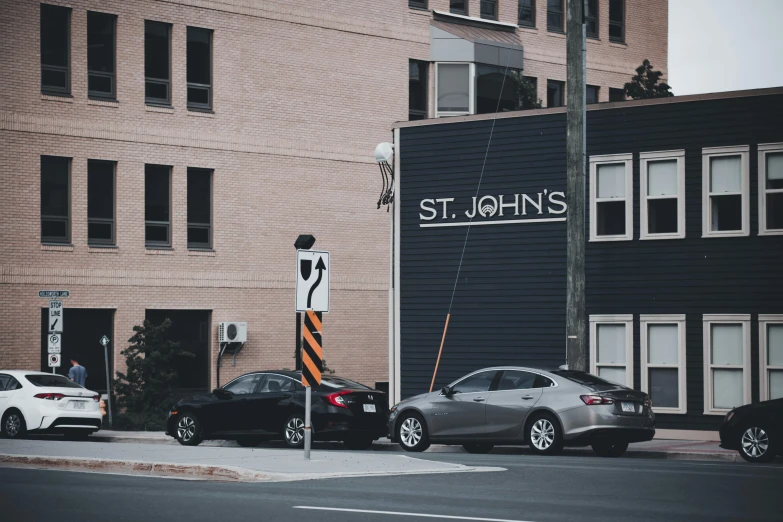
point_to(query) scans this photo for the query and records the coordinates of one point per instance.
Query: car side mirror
(222, 394)
(446, 391)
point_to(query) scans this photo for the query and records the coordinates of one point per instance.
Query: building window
(591, 19)
(417, 4)
(611, 348)
(554, 93)
(616, 95)
(417, 89)
(55, 199)
(662, 187)
(55, 49)
(497, 89)
(454, 88)
(617, 21)
(611, 198)
(770, 188)
(199, 68)
(554, 16)
(662, 353)
(771, 356)
(101, 45)
(527, 13)
(459, 7)
(157, 205)
(489, 9)
(157, 63)
(100, 202)
(726, 362)
(199, 208)
(725, 189)
(591, 94)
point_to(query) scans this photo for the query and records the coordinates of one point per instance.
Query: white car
(37, 402)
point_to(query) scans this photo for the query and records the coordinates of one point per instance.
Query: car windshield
(338, 382)
(51, 381)
(587, 379)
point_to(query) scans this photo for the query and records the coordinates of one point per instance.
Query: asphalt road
(534, 489)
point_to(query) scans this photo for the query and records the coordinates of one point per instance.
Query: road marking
(403, 514)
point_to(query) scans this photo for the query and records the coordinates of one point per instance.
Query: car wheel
(544, 435)
(610, 448)
(188, 430)
(756, 445)
(358, 443)
(478, 447)
(294, 431)
(13, 425)
(249, 442)
(412, 433)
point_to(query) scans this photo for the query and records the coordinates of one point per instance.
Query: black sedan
(755, 430)
(271, 405)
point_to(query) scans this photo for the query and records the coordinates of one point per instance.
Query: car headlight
(393, 410)
(729, 415)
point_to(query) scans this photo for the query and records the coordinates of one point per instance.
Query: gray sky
(725, 45)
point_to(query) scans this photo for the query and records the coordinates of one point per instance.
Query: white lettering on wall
(554, 201)
(428, 209)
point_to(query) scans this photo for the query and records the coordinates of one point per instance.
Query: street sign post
(105, 342)
(55, 316)
(312, 367)
(312, 281)
(54, 361)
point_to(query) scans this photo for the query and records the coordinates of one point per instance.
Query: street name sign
(54, 360)
(55, 342)
(55, 316)
(53, 294)
(312, 280)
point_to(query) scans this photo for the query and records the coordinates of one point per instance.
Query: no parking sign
(54, 360)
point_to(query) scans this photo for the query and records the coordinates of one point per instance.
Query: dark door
(462, 413)
(269, 406)
(508, 406)
(233, 413)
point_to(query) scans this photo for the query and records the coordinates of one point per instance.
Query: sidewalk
(682, 449)
(215, 463)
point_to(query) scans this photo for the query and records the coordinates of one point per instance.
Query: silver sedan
(513, 405)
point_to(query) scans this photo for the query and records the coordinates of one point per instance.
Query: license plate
(78, 406)
(369, 408)
(628, 407)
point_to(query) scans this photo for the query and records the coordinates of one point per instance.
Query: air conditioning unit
(232, 332)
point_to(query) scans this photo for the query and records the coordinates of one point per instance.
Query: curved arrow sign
(312, 285)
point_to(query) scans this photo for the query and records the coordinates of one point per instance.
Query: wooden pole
(575, 192)
(442, 340)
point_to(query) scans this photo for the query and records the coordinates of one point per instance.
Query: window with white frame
(770, 188)
(771, 356)
(725, 192)
(662, 186)
(611, 348)
(454, 87)
(726, 362)
(611, 197)
(662, 356)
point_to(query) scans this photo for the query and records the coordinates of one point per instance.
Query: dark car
(755, 430)
(270, 405)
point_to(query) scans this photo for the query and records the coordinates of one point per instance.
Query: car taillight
(648, 403)
(336, 399)
(50, 396)
(96, 398)
(592, 400)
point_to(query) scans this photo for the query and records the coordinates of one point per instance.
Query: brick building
(159, 158)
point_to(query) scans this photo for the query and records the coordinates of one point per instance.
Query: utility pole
(575, 191)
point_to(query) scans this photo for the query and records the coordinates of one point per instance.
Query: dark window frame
(495, 8)
(191, 85)
(595, 19)
(53, 90)
(556, 28)
(597, 93)
(621, 24)
(111, 76)
(463, 12)
(153, 244)
(159, 102)
(417, 4)
(202, 226)
(57, 240)
(424, 113)
(528, 9)
(561, 84)
(111, 221)
(613, 92)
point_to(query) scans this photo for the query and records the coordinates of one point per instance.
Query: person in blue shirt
(77, 373)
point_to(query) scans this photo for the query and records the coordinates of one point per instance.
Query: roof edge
(594, 107)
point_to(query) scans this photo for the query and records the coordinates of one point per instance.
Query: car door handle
(479, 399)
(527, 397)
